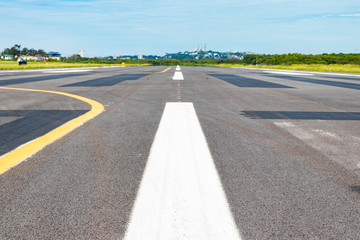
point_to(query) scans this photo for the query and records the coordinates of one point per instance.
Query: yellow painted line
(165, 70)
(18, 155)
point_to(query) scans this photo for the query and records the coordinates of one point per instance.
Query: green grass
(13, 65)
(350, 68)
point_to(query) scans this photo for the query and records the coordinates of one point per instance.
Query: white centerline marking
(289, 73)
(178, 68)
(180, 195)
(178, 76)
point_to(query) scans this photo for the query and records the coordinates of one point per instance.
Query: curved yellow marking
(18, 155)
(165, 70)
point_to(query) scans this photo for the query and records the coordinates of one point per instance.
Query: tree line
(16, 50)
(154, 62)
(297, 58)
(251, 59)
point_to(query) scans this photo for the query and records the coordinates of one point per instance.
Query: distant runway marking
(326, 134)
(295, 130)
(179, 98)
(305, 72)
(337, 74)
(289, 73)
(248, 68)
(18, 155)
(53, 69)
(180, 195)
(178, 68)
(68, 71)
(178, 76)
(19, 71)
(165, 70)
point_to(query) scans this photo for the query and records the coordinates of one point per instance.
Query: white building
(8, 56)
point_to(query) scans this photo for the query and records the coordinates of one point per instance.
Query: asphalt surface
(286, 146)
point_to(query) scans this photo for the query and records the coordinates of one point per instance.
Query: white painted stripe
(68, 71)
(248, 68)
(52, 69)
(306, 72)
(178, 68)
(337, 74)
(18, 71)
(326, 134)
(178, 76)
(296, 130)
(289, 73)
(180, 195)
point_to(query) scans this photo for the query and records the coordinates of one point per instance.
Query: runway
(277, 151)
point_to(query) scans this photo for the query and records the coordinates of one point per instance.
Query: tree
(42, 53)
(32, 52)
(25, 51)
(16, 50)
(6, 51)
(75, 58)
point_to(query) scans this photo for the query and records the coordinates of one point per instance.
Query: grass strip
(13, 65)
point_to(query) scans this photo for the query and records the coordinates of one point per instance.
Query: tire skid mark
(103, 185)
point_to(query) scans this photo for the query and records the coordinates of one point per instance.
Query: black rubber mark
(246, 82)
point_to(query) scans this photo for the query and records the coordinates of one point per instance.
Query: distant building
(38, 57)
(54, 55)
(8, 56)
(27, 57)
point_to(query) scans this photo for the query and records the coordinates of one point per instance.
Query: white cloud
(122, 25)
(350, 15)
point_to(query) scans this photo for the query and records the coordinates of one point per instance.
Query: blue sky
(112, 27)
